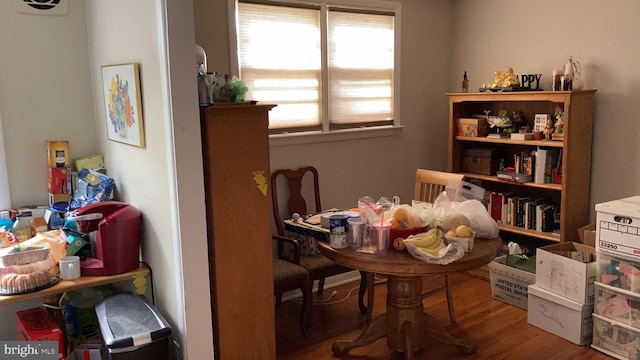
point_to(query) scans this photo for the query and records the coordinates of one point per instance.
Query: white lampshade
(201, 56)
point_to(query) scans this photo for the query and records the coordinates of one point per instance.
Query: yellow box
(91, 162)
(54, 198)
(473, 127)
(58, 153)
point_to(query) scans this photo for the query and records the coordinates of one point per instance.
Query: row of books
(527, 212)
(542, 166)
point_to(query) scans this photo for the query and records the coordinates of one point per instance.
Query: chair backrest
(296, 203)
(430, 183)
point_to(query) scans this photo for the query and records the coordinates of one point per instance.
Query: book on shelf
(521, 136)
(546, 159)
(514, 176)
(501, 135)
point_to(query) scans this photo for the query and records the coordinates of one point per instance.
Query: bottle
(203, 86)
(21, 228)
(569, 74)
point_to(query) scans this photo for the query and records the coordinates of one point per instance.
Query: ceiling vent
(42, 7)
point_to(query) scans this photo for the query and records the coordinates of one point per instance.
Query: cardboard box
(59, 181)
(91, 162)
(618, 226)
(57, 153)
(509, 284)
(473, 127)
(587, 235)
(560, 316)
(54, 198)
(37, 324)
(558, 272)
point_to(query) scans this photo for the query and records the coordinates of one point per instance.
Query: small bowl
(465, 243)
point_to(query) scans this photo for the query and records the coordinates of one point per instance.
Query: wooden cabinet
(235, 147)
(572, 194)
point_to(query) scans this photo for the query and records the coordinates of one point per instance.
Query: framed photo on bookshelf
(540, 122)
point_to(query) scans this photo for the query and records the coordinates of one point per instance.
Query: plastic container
(20, 279)
(21, 228)
(618, 272)
(616, 305)
(615, 339)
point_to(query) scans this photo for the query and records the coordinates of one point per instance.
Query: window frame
(326, 134)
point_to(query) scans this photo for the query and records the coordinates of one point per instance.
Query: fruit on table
(464, 231)
(430, 242)
(452, 221)
(398, 244)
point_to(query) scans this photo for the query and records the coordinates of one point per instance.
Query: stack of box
(616, 317)
(59, 182)
(561, 300)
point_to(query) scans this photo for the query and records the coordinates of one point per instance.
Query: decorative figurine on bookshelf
(548, 130)
(558, 132)
(501, 123)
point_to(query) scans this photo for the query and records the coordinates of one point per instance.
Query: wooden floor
(500, 329)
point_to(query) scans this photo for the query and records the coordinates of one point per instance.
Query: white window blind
(326, 66)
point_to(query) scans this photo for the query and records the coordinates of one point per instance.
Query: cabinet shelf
(573, 194)
(530, 233)
(512, 142)
(555, 187)
(70, 285)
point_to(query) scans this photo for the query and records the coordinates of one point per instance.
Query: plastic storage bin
(615, 339)
(617, 306)
(132, 329)
(619, 272)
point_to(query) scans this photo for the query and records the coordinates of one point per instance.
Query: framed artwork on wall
(123, 104)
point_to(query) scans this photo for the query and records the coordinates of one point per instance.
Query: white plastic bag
(481, 222)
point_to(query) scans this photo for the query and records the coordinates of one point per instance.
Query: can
(338, 231)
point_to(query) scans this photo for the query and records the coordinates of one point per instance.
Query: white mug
(69, 267)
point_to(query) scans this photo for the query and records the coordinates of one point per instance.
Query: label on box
(58, 153)
(618, 226)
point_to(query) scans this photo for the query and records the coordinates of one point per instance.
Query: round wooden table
(405, 324)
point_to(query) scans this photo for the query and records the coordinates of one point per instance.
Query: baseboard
(329, 283)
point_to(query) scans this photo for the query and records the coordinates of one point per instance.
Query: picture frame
(540, 122)
(123, 104)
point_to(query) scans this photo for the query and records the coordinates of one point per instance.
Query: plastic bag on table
(481, 222)
(446, 255)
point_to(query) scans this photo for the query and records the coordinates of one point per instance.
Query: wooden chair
(319, 266)
(289, 275)
(429, 184)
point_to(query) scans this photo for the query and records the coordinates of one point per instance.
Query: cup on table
(338, 227)
(69, 267)
(380, 233)
(356, 230)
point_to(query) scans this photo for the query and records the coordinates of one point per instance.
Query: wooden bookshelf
(573, 194)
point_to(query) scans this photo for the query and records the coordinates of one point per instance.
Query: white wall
(148, 176)
(537, 37)
(45, 94)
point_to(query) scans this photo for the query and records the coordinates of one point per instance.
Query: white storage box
(558, 272)
(509, 284)
(617, 226)
(615, 339)
(622, 272)
(617, 305)
(560, 316)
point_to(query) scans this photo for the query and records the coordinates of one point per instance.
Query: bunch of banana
(430, 242)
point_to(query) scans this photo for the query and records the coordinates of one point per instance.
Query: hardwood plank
(500, 329)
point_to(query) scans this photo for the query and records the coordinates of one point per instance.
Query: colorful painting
(121, 89)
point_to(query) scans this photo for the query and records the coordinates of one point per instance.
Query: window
(328, 66)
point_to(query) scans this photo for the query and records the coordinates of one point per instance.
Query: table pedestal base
(405, 324)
